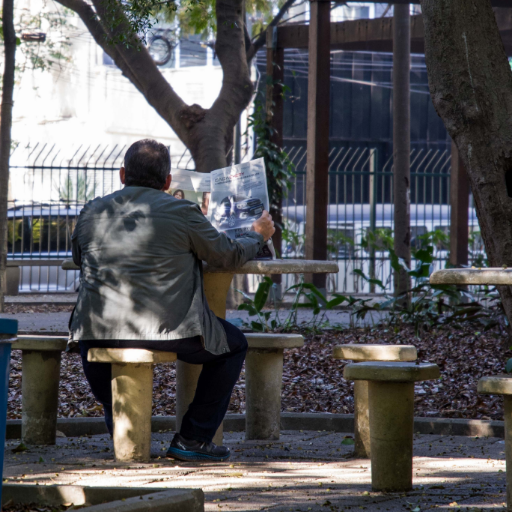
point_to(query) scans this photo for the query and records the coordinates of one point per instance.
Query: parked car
(234, 210)
(348, 223)
(38, 233)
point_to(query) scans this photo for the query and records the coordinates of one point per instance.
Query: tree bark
(5, 132)
(471, 86)
(402, 145)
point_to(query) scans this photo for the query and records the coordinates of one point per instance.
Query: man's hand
(264, 225)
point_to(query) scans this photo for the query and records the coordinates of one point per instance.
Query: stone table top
(262, 267)
(496, 385)
(465, 276)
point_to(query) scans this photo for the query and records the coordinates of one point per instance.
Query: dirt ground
(313, 381)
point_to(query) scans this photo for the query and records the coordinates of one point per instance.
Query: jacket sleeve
(216, 248)
(75, 248)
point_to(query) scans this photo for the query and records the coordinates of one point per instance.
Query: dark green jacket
(140, 252)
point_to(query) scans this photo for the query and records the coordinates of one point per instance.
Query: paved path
(58, 322)
(304, 471)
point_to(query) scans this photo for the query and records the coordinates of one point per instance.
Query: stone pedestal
(40, 396)
(391, 414)
(502, 385)
(361, 420)
(391, 435)
(132, 391)
(216, 287)
(41, 357)
(263, 382)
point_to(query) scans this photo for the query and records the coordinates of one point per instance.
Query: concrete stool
(391, 404)
(132, 397)
(360, 353)
(502, 385)
(263, 383)
(40, 362)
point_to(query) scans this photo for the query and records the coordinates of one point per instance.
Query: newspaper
(239, 195)
(193, 186)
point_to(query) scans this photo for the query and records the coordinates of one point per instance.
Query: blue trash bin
(8, 335)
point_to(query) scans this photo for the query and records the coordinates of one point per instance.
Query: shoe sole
(176, 453)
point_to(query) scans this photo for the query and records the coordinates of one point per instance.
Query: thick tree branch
(262, 38)
(236, 91)
(90, 20)
(135, 63)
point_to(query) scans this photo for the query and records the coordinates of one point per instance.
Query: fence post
(459, 201)
(373, 214)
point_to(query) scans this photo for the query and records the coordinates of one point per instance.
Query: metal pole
(402, 142)
(373, 215)
(317, 177)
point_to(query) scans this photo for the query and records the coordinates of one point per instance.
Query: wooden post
(274, 111)
(402, 141)
(317, 178)
(459, 220)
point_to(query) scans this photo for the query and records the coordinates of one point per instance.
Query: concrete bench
(361, 353)
(391, 405)
(40, 363)
(132, 397)
(502, 385)
(264, 381)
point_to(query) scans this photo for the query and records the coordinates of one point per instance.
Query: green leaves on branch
(280, 170)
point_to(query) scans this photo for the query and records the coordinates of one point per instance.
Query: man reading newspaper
(140, 251)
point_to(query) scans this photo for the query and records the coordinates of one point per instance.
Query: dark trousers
(216, 381)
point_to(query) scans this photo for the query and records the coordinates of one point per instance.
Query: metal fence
(361, 202)
(49, 186)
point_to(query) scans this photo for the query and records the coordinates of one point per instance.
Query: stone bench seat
(502, 385)
(132, 397)
(264, 381)
(391, 407)
(40, 367)
(370, 352)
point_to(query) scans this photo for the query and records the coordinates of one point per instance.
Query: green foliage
(141, 16)
(80, 189)
(305, 296)
(193, 16)
(280, 170)
(430, 305)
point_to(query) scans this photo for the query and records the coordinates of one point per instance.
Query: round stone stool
(502, 385)
(360, 353)
(391, 405)
(263, 382)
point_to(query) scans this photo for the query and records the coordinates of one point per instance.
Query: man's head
(147, 163)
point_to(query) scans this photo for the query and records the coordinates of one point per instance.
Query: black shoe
(196, 451)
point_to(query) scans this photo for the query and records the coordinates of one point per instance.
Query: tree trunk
(402, 145)
(471, 86)
(5, 132)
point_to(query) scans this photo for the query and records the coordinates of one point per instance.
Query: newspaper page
(239, 195)
(193, 186)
